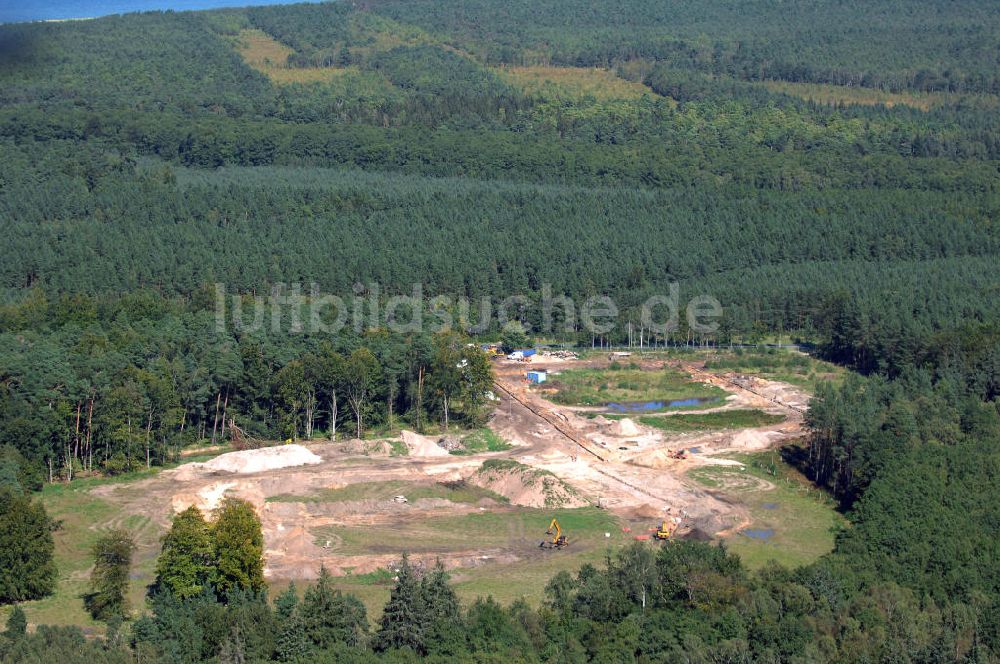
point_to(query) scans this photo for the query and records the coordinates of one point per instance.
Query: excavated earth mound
(251, 461)
(626, 427)
(527, 486)
(422, 445)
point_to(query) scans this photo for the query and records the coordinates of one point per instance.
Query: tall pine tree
(330, 617)
(402, 624)
(26, 547)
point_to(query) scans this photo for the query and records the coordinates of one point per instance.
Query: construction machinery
(558, 540)
(666, 530)
(492, 350)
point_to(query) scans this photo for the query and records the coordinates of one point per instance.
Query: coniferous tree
(402, 624)
(443, 634)
(437, 596)
(293, 641)
(17, 624)
(330, 617)
(27, 570)
(287, 602)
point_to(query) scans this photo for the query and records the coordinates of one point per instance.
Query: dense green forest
(826, 170)
(923, 45)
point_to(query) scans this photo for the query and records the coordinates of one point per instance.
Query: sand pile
(525, 485)
(626, 427)
(287, 547)
(208, 498)
(752, 440)
(422, 445)
(656, 458)
(252, 461)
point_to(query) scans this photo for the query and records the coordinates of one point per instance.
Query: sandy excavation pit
(552, 465)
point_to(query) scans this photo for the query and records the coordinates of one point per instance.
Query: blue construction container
(536, 377)
(528, 352)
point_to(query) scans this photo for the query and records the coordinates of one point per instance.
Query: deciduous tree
(109, 579)
(186, 565)
(239, 547)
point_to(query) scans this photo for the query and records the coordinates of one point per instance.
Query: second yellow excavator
(558, 540)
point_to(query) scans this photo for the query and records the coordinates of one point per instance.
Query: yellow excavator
(558, 540)
(666, 530)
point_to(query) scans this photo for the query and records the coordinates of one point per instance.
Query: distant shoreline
(122, 7)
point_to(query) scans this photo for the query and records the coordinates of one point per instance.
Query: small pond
(762, 534)
(649, 406)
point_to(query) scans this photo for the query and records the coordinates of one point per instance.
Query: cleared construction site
(594, 476)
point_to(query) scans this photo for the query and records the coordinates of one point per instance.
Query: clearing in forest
(270, 57)
(570, 83)
(822, 93)
(786, 366)
(483, 501)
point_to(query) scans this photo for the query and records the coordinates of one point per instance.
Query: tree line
(682, 602)
(128, 392)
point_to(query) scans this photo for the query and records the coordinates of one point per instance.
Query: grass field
(571, 83)
(598, 387)
(793, 522)
(456, 492)
(512, 528)
(723, 419)
(518, 530)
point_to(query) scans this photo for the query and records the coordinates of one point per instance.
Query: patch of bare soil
(357, 446)
(624, 464)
